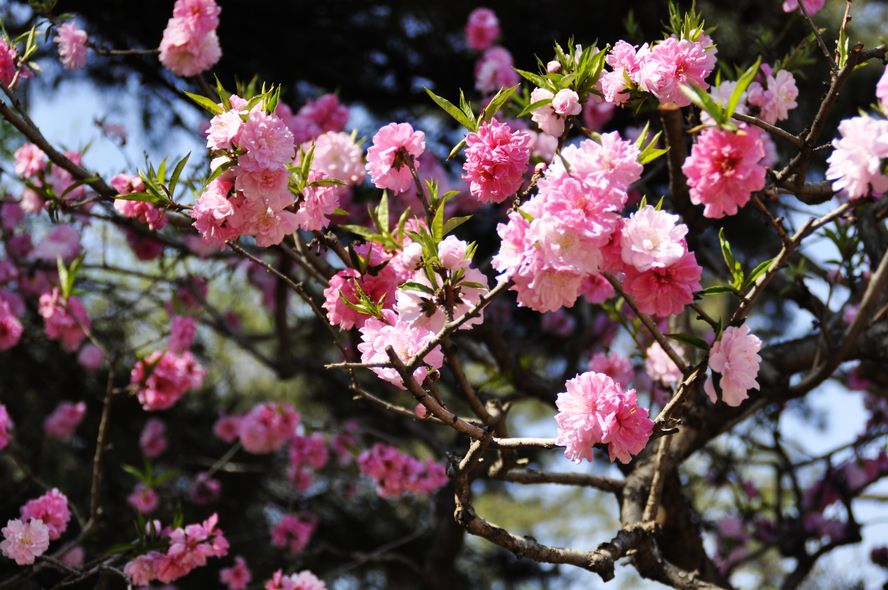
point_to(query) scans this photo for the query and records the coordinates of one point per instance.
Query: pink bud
(566, 102)
(420, 411)
(553, 67)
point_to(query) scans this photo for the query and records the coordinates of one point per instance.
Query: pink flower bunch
(396, 473)
(337, 155)
(597, 112)
(24, 542)
(724, 169)
(189, 548)
(405, 338)
(64, 420)
(560, 236)
(90, 357)
(495, 70)
(855, 166)
(595, 409)
(318, 203)
(659, 367)
(882, 91)
(673, 63)
(482, 29)
(226, 428)
(394, 146)
(664, 291)
(736, 357)
(304, 580)
(10, 326)
(163, 377)
(776, 97)
(625, 60)
(252, 197)
(29, 160)
(293, 532)
(63, 320)
(145, 212)
(204, 489)
(143, 498)
(62, 241)
(182, 332)
(811, 6)
(6, 425)
(52, 509)
(267, 427)
(496, 160)
(551, 117)
(11, 216)
(190, 44)
(615, 366)
(307, 454)
(236, 577)
(652, 239)
(72, 45)
(9, 61)
(153, 440)
(324, 114)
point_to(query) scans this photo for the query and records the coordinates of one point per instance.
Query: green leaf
(76, 184)
(143, 197)
(497, 102)
(760, 269)
(455, 222)
(717, 289)
(364, 232)
(690, 339)
(705, 102)
(177, 171)
(743, 83)
(382, 213)
(457, 148)
(438, 224)
(534, 106)
(414, 286)
(535, 79)
(204, 102)
(454, 111)
(63, 275)
(134, 471)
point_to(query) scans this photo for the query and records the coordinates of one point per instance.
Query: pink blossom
(597, 112)
(22, 542)
(74, 557)
(596, 289)
(624, 60)
(672, 63)
(610, 163)
(267, 427)
(201, 15)
(337, 155)
(396, 473)
(615, 366)
(145, 212)
(593, 410)
(380, 286)
(90, 357)
(267, 141)
(236, 577)
(811, 6)
(293, 532)
(51, 509)
(189, 549)
(224, 130)
(11, 216)
(5, 427)
(664, 291)
(659, 367)
(143, 498)
(153, 440)
(143, 569)
(426, 310)
(226, 428)
(304, 580)
(213, 214)
(190, 44)
(496, 160)
(326, 112)
(494, 70)
(482, 29)
(882, 90)
(550, 117)
(29, 160)
(310, 451)
(319, 201)
(61, 241)
(406, 339)
(387, 158)
(452, 253)
(64, 420)
(724, 169)
(652, 239)
(10, 326)
(735, 356)
(163, 377)
(9, 59)
(204, 489)
(72, 46)
(63, 320)
(855, 166)
(776, 98)
(182, 331)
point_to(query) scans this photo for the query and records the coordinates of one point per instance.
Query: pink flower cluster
(394, 147)
(152, 440)
(293, 532)
(405, 338)
(9, 61)
(64, 420)
(144, 212)
(10, 327)
(496, 160)
(6, 425)
(63, 320)
(482, 29)
(495, 70)
(52, 509)
(735, 356)
(595, 409)
(182, 332)
(318, 116)
(143, 498)
(72, 45)
(252, 197)
(62, 241)
(724, 169)
(304, 580)
(660, 69)
(551, 117)
(267, 427)
(189, 548)
(811, 6)
(190, 44)
(396, 473)
(23, 542)
(307, 454)
(776, 97)
(236, 577)
(615, 366)
(855, 166)
(163, 377)
(659, 367)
